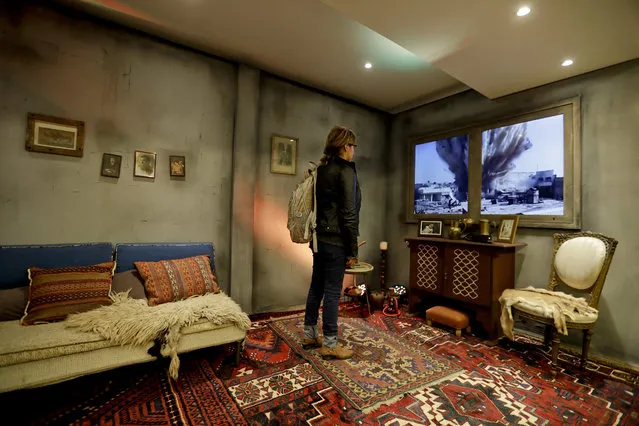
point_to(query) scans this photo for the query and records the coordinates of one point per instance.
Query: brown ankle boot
(338, 352)
(312, 343)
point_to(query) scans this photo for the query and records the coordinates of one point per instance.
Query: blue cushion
(16, 260)
(126, 254)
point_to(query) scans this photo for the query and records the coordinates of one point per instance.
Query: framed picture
(283, 155)
(430, 228)
(508, 229)
(55, 135)
(111, 164)
(144, 164)
(177, 165)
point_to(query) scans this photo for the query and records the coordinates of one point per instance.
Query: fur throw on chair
(548, 304)
(133, 322)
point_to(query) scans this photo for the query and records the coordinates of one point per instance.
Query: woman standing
(338, 203)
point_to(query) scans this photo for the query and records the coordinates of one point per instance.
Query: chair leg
(555, 349)
(548, 335)
(586, 346)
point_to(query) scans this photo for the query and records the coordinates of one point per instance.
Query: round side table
(361, 269)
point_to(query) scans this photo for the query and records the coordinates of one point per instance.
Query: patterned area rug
(383, 367)
(274, 385)
(137, 395)
(506, 384)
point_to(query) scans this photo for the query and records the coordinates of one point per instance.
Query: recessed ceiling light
(368, 65)
(523, 11)
(567, 63)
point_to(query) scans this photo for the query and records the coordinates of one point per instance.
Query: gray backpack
(301, 209)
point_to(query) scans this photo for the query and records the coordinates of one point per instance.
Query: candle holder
(383, 248)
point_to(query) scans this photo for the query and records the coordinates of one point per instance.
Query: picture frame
(507, 229)
(284, 155)
(177, 165)
(144, 164)
(111, 165)
(54, 135)
(430, 228)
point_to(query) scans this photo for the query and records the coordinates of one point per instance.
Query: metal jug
(455, 231)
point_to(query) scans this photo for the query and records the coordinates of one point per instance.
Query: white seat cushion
(578, 261)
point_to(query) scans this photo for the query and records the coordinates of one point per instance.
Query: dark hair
(337, 138)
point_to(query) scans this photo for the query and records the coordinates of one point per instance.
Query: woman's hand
(350, 262)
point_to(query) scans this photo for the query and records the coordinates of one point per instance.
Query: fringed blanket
(546, 303)
(132, 322)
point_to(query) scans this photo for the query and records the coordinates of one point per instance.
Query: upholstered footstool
(448, 316)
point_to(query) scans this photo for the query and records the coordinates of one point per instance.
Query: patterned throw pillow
(57, 292)
(171, 280)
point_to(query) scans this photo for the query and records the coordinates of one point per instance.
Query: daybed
(43, 354)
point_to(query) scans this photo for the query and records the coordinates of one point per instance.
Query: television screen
(441, 176)
(523, 168)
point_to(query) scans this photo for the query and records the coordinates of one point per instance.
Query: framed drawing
(144, 164)
(177, 165)
(111, 164)
(283, 155)
(508, 229)
(430, 228)
(55, 135)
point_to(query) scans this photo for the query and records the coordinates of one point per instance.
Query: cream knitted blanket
(133, 322)
(550, 304)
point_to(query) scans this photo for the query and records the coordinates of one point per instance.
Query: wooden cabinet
(461, 274)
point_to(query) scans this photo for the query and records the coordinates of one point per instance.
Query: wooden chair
(580, 261)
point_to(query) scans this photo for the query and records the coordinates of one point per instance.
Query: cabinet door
(467, 275)
(429, 267)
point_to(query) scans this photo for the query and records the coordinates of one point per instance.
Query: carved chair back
(581, 261)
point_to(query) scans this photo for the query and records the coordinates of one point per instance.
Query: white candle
(383, 245)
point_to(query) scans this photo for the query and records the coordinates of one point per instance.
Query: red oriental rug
(137, 395)
(275, 385)
(383, 367)
(502, 385)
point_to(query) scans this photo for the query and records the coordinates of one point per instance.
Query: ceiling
(421, 50)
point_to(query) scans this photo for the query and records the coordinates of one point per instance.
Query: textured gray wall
(283, 269)
(610, 155)
(244, 166)
(133, 93)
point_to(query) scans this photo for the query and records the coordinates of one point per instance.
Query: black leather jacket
(338, 203)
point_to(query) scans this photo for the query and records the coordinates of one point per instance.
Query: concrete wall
(610, 154)
(133, 93)
(283, 269)
(136, 92)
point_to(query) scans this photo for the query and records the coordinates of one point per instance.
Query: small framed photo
(283, 155)
(177, 165)
(144, 164)
(430, 228)
(55, 135)
(508, 229)
(111, 164)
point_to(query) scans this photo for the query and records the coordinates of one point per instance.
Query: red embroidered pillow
(171, 280)
(57, 292)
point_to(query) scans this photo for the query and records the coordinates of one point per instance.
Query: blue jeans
(329, 264)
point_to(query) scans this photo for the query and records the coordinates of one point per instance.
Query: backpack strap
(314, 214)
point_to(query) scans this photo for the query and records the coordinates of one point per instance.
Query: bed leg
(238, 352)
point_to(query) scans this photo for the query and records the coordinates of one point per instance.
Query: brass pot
(377, 298)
